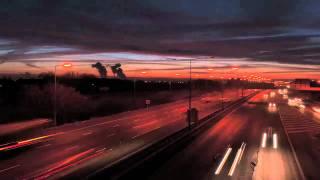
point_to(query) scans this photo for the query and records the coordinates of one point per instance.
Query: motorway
(303, 128)
(85, 146)
(214, 153)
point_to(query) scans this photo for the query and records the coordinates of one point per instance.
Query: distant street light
(66, 65)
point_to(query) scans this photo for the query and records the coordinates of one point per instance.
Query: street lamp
(190, 85)
(134, 86)
(190, 92)
(66, 65)
(237, 77)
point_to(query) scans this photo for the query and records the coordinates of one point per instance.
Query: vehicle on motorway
(269, 138)
(269, 131)
(272, 107)
(272, 104)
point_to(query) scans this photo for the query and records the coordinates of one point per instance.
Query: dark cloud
(233, 28)
(32, 65)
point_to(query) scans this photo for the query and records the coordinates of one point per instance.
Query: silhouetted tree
(46, 75)
(101, 69)
(71, 105)
(87, 76)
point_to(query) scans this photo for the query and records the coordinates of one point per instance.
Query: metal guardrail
(134, 160)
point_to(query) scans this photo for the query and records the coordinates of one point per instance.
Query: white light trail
(275, 141)
(237, 159)
(264, 140)
(244, 146)
(223, 161)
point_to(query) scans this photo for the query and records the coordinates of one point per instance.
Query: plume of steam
(121, 74)
(117, 71)
(101, 69)
(114, 69)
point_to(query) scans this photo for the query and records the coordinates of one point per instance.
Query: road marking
(87, 133)
(223, 161)
(117, 125)
(145, 124)
(9, 168)
(138, 135)
(101, 150)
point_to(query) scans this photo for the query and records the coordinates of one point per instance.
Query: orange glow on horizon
(168, 70)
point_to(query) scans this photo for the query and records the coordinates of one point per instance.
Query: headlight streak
(223, 161)
(237, 159)
(275, 141)
(264, 140)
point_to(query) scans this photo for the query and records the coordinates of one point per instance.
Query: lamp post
(190, 92)
(222, 93)
(135, 87)
(66, 65)
(190, 86)
(237, 77)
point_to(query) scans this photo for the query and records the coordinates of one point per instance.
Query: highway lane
(244, 125)
(303, 128)
(110, 138)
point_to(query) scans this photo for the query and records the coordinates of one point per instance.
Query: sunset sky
(269, 38)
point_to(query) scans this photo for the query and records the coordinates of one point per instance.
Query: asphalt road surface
(303, 128)
(234, 148)
(85, 146)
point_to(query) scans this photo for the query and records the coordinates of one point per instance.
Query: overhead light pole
(190, 92)
(190, 87)
(66, 65)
